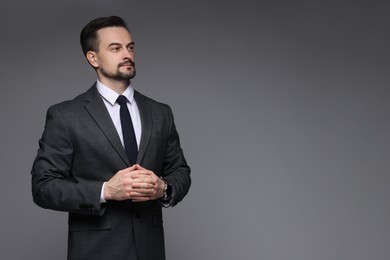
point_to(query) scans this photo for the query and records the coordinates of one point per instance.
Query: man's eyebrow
(113, 44)
(117, 43)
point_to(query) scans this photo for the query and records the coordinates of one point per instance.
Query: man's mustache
(126, 63)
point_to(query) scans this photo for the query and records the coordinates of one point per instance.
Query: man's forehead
(114, 34)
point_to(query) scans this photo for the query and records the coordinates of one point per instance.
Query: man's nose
(128, 54)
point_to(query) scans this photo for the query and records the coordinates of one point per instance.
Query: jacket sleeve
(175, 168)
(53, 186)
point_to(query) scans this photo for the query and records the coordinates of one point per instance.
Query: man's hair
(88, 36)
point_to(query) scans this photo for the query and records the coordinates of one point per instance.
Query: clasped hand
(135, 183)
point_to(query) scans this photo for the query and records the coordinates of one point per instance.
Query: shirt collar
(111, 96)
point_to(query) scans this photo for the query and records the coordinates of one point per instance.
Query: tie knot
(121, 100)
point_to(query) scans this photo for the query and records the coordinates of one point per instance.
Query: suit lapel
(96, 108)
(146, 122)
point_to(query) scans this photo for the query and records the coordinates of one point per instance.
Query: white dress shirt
(109, 97)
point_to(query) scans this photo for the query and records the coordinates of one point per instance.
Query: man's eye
(115, 49)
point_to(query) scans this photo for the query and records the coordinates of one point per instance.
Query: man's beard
(119, 75)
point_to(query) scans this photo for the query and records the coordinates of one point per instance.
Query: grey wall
(282, 106)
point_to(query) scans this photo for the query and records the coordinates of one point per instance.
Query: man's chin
(126, 76)
(129, 74)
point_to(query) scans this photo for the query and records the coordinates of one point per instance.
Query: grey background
(282, 107)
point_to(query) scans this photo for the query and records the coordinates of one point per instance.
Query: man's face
(114, 59)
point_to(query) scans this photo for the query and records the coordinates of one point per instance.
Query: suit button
(137, 214)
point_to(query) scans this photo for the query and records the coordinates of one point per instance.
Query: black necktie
(128, 131)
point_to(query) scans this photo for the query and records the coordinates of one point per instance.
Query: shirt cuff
(166, 203)
(102, 200)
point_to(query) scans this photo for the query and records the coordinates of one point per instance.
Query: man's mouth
(126, 64)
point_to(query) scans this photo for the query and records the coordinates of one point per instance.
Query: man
(111, 157)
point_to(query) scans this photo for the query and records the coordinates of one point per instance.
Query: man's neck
(119, 86)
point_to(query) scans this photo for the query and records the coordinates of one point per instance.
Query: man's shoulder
(152, 102)
(74, 103)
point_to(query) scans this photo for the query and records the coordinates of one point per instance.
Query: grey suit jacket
(79, 150)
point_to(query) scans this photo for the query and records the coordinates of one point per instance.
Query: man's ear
(92, 59)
